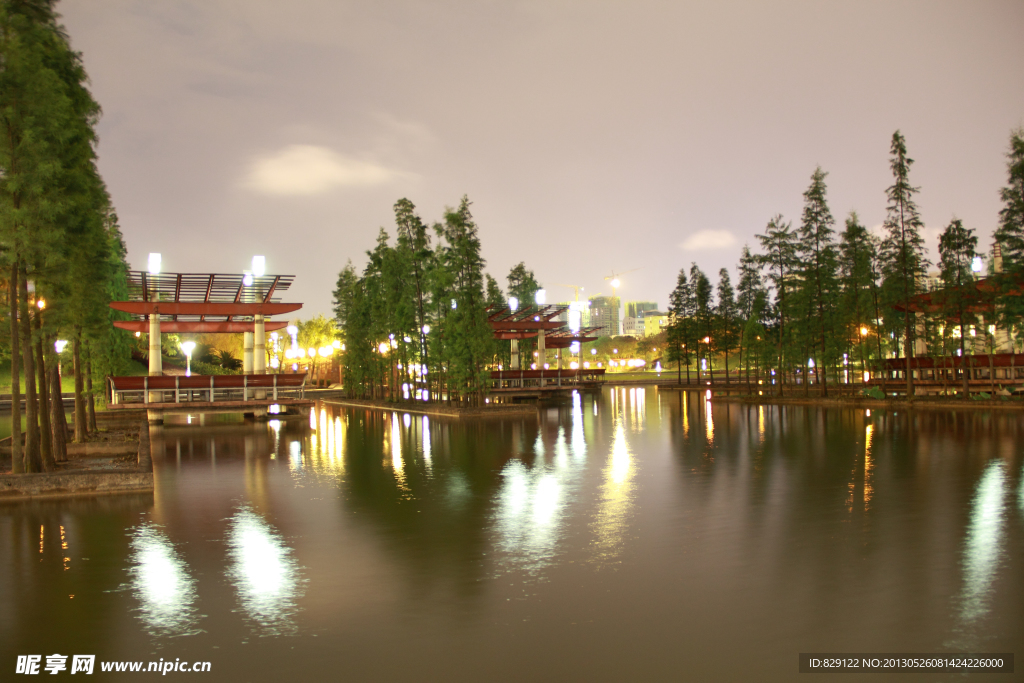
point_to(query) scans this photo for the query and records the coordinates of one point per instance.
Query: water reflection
(611, 520)
(983, 547)
(162, 584)
(264, 572)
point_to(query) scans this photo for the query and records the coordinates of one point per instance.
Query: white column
(259, 359)
(247, 340)
(156, 362)
(541, 354)
(515, 355)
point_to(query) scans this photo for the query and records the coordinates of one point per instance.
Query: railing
(204, 387)
(521, 379)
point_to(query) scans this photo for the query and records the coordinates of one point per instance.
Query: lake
(636, 534)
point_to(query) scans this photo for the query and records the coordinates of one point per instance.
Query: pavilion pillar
(156, 363)
(247, 343)
(259, 356)
(515, 355)
(259, 360)
(541, 354)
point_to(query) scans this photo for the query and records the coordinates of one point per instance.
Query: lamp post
(188, 347)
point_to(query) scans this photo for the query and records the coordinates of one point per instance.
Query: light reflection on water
(263, 571)
(791, 520)
(983, 548)
(162, 584)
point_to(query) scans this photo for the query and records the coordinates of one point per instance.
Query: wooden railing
(204, 387)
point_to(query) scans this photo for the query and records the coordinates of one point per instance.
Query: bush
(983, 396)
(875, 393)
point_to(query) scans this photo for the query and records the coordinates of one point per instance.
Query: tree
(1009, 237)
(680, 308)
(858, 299)
(726, 332)
(902, 249)
(957, 248)
(747, 289)
(703, 309)
(816, 255)
(779, 257)
(467, 334)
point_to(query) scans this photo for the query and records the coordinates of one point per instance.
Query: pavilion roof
(194, 300)
(528, 321)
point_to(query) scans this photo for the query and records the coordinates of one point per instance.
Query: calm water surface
(639, 534)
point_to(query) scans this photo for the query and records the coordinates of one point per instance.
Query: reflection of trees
(42, 564)
(431, 510)
(829, 505)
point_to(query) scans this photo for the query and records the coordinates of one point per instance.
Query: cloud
(303, 170)
(707, 240)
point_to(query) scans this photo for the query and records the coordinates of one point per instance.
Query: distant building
(604, 314)
(632, 327)
(636, 309)
(654, 322)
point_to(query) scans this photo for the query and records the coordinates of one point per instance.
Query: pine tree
(816, 254)
(957, 248)
(678, 335)
(747, 289)
(902, 250)
(779, 244)
(703, 311)
(858, 284)
(1009, 236)
(467, 333)
(726, 333)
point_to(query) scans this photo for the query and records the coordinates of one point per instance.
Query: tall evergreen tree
(467, 333)
(816, 254)
(779, 244)
(858, 300)
(902, 250)
(747, 289)
(959, 296)
(680, 325)
(1009, 237)
(726, 331)
(703, 311)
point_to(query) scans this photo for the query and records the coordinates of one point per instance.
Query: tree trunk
(33, 463)
(90, 405)
(45, 443)
(17, 458)
(58, 421)
(76, 355)
(963, 362)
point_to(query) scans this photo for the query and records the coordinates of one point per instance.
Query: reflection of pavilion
(205, 303)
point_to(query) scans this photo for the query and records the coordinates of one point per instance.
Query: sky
(591, 137)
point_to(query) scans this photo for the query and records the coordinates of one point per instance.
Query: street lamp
(540, 297)
(188, 347)
(154, 263)
(259, 266)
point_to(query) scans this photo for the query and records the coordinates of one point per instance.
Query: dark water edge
(639, 535)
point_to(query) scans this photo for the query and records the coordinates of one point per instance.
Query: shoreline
(118, 462)
(438, 410)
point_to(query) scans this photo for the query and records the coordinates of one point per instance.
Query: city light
(513, 303)
(976, 264)
(247, 279)
(863, 331)
(259, 266)
(154, 264)
(616, 283)
(540, 297)
(41, 304)
(59, 345)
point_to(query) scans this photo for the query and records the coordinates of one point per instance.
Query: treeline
(416, 318)
(812, 304)
(61, 251)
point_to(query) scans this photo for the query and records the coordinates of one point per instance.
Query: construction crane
(614, 277)
(577, 288)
